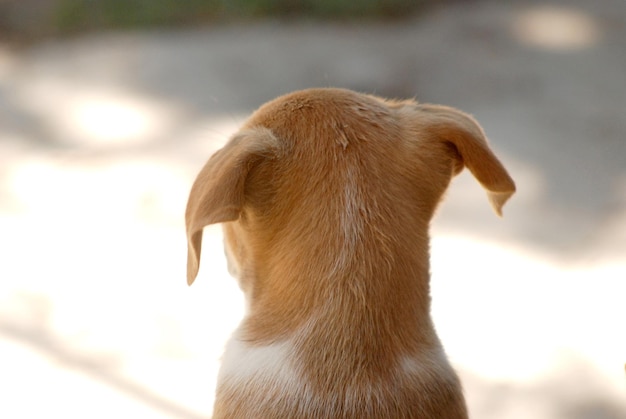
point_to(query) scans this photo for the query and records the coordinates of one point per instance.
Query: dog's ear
(468, 139)
(217, 194)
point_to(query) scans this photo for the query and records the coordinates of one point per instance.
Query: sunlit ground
(96, 319)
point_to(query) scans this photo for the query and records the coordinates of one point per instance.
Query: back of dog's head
(326, 196)
(322, 176)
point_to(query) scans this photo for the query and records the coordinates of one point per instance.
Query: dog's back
(331, 194)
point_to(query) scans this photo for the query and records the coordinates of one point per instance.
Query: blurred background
(109, 108)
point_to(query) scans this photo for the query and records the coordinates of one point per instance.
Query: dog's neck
(344, 325)
(379, 293)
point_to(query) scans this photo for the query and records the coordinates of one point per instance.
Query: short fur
(326, 196)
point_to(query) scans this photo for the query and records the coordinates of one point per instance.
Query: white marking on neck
(351, 220)
(243, 363)
(432, 363)
(260, 376)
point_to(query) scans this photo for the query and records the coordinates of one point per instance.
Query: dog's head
(320, 176)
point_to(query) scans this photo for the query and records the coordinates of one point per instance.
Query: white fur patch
(431, 364)
(351, 219)
(351, 222)
(260, 373)
(271, 364)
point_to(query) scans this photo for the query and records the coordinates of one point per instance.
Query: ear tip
(192, 269)
(190, 279)
(194, 246)
(498, 199)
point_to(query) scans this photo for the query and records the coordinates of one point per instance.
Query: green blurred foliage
(327, 8)
(73, 15)
(36, 18)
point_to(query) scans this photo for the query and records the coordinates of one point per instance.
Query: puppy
(326, 196)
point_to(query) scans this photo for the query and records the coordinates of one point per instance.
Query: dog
(326, 196)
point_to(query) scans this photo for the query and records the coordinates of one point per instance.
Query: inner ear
(457, 160)
(463, 132)
(218, 193)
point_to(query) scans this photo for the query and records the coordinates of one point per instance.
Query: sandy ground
(101, 137)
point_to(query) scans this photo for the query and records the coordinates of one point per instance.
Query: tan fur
(326, 196)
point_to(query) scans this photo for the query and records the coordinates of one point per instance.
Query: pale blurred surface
(102, 135)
